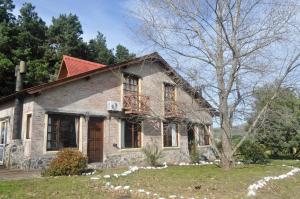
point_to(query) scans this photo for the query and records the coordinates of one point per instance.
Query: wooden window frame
(134, 125)
(206, 136)
(173, 95)
(57, 135)
(165, 126)
(130, 81)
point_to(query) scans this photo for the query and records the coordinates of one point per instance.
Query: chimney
(20, 70)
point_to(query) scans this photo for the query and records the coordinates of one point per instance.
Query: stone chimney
(20, 71)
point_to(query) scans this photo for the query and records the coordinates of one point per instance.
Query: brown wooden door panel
(95, 139)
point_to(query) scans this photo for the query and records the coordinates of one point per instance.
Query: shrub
(67, 162)
(152, 153)
(253, 152)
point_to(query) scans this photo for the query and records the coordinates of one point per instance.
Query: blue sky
(111, 17)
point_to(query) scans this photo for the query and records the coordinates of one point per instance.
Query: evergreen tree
(6, 8)
(65, 36)
(32, 44)
(280, 126)
(27, 38)
(122, 54)
(8, 32)
(99, 52)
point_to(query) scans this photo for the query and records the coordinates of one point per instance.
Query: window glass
(169, 94)
(170, 134)
(62, 132)
(130, 84)
(28, 126)
(203, 135)
(3, 132)
(130, 134)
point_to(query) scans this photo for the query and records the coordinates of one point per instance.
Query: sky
(110, 17)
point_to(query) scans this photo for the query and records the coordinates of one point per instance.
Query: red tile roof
(73, 66)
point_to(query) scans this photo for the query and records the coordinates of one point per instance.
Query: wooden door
(95, 140)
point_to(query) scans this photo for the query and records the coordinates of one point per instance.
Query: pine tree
(122, 54)
(32, 45)
(99, 52)
(8, 32)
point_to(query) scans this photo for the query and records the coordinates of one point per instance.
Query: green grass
(192, 181)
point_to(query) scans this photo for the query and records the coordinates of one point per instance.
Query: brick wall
(88, 97)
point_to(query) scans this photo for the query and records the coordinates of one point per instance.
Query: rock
(126, 187)
(106, 176)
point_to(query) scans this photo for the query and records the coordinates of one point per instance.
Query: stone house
(109, 113)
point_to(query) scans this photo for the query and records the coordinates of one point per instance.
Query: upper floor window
(169, 94)
(62, 132)
(170, 134)
(131, 84)
(131, 134)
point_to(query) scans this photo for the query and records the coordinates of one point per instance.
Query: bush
(253, 152)
(67, 162)
(152, 153)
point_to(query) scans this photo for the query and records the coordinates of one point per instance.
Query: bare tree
(230, 46)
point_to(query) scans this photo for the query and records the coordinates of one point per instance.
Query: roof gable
(72, 66)
(99, 68)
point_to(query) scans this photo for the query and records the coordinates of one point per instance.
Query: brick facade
(88, 97)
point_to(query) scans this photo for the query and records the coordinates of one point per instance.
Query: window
(169, 94)
(3, 132)
(170, 134)
(131, 84)
(62, 132)
(131, 134)
(28, 126)
(203, 132)
(206, 135)
(169, 100)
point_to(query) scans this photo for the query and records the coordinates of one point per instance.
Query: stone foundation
(14, 155)
(14, 158)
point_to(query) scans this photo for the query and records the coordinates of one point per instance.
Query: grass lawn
(188, 181)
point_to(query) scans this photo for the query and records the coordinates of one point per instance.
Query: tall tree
(8, 32)
(280, 125)
(6, 8)
(65, 37)
(99, 52)
(229, 46)
(32, 44)
(122, 54)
